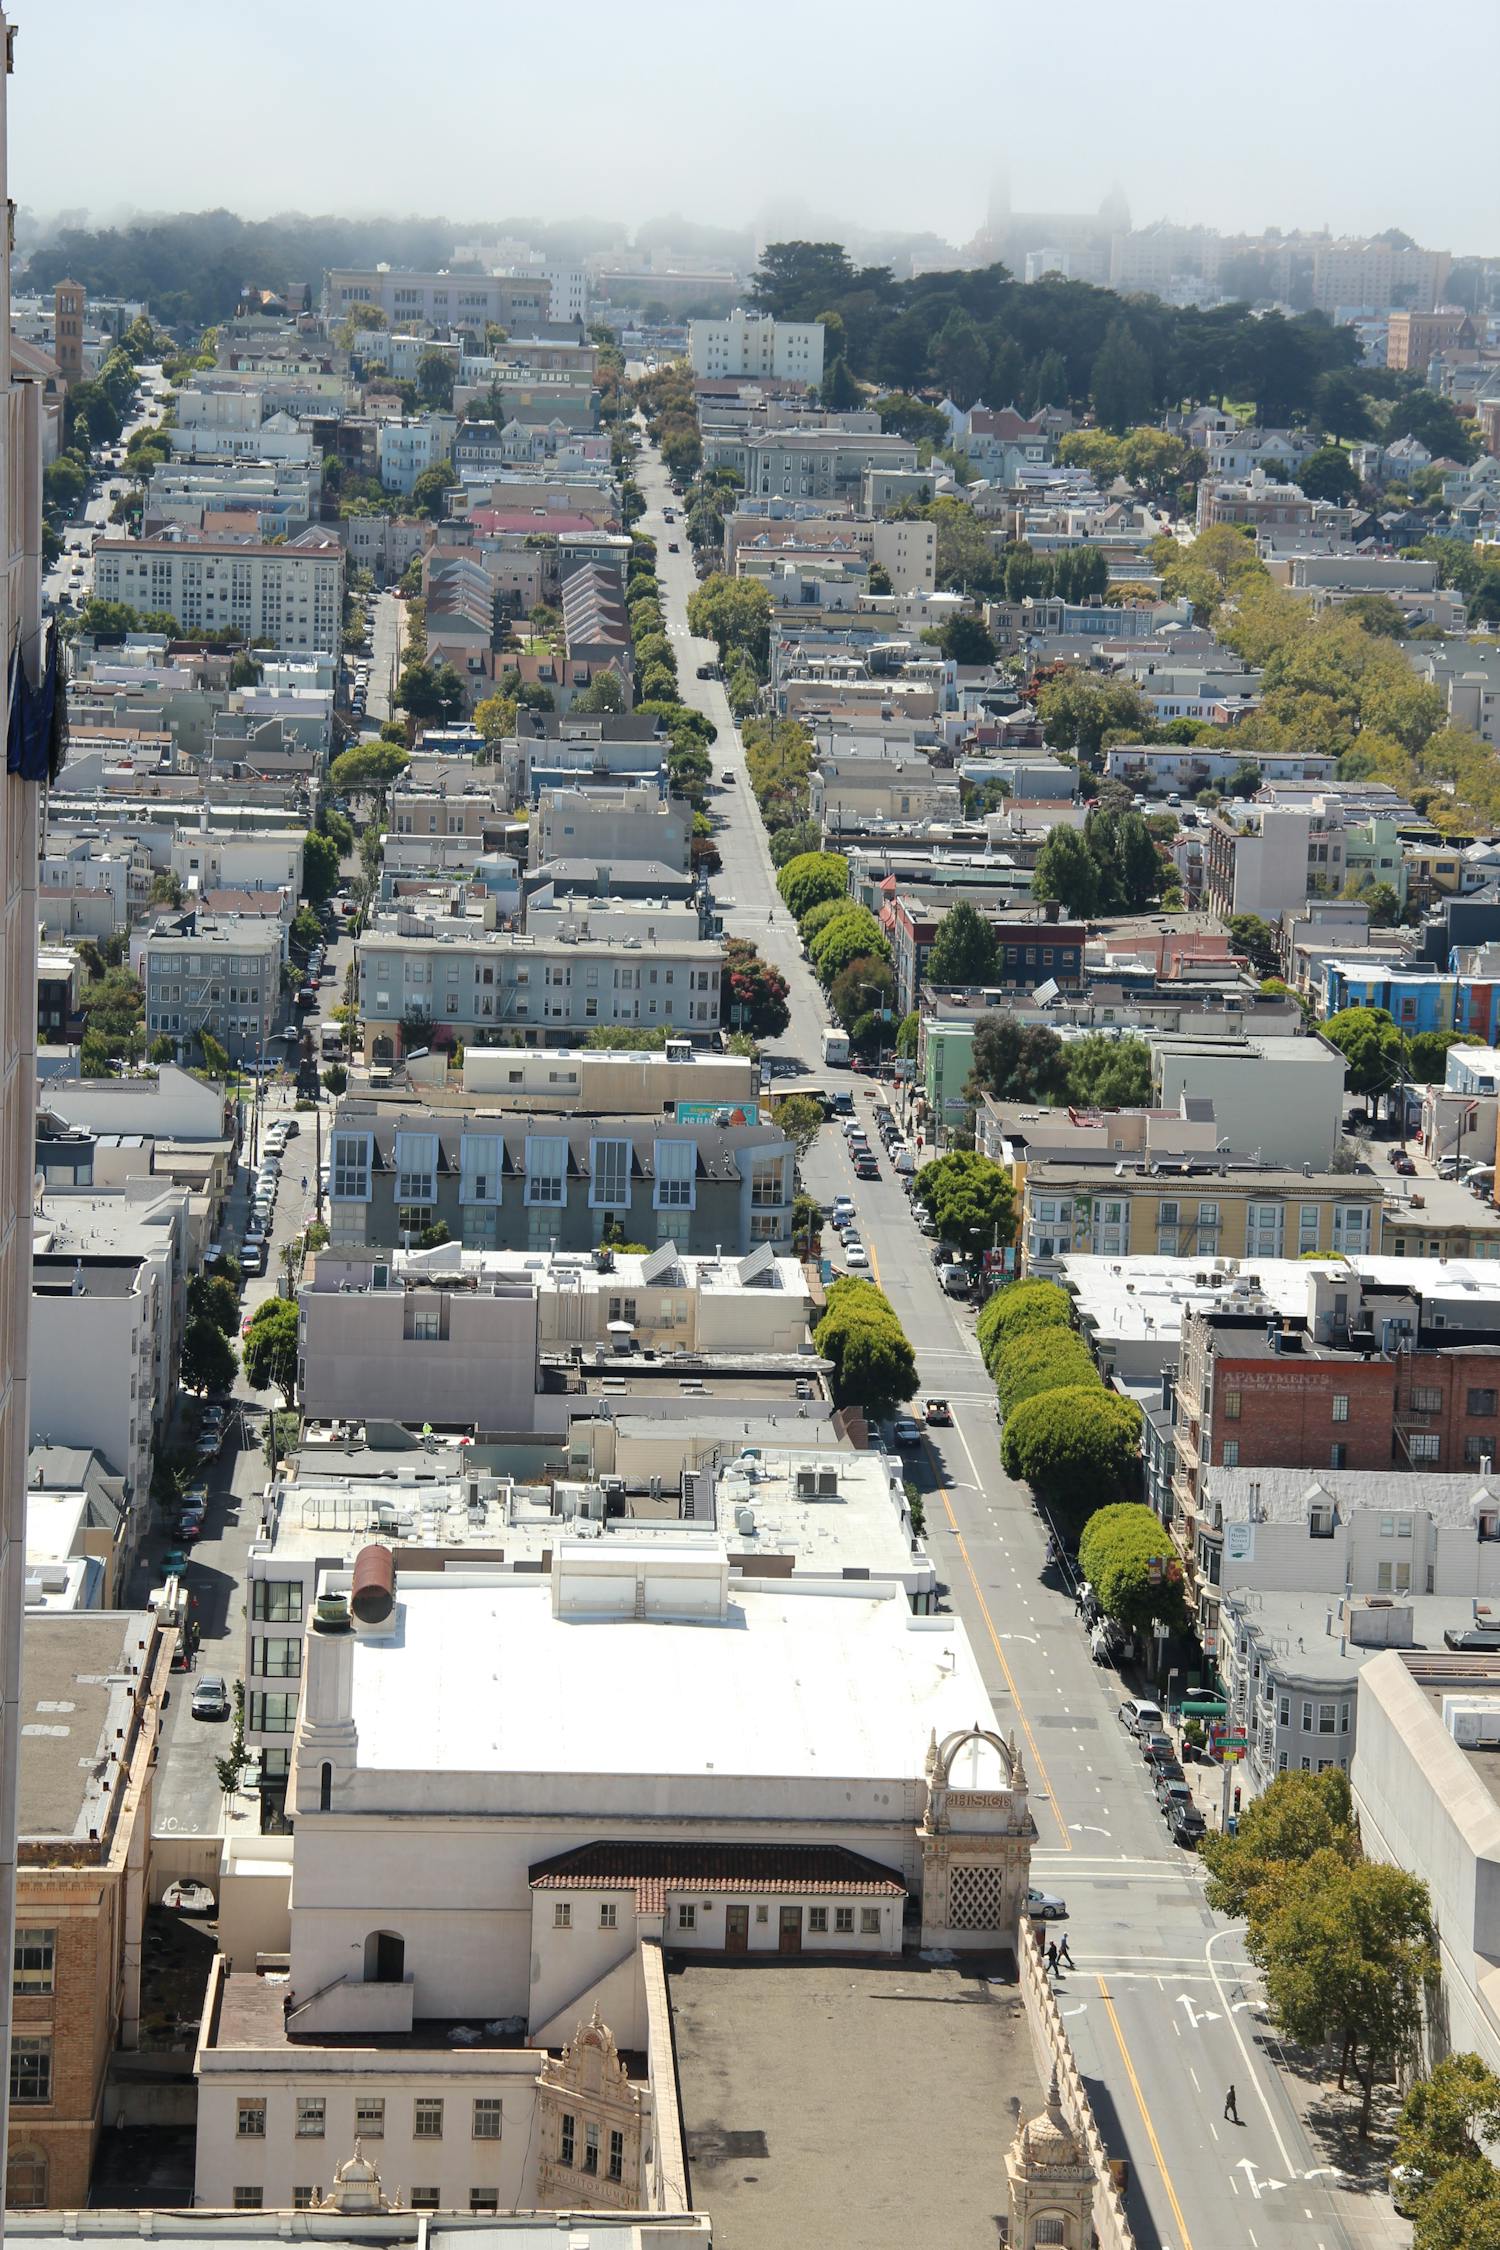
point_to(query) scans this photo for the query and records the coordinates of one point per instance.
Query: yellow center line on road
(1185, 2239)
(989, 1625)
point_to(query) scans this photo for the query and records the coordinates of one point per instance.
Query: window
(1426, 1445)
(676, 1175)
(248, 2198)
(1482, 1402)
(369, 2116)
(843, 1920)
(1229, 1405)
(272, 1714)
(312, 2117)
(486, 2118)
(763, 1912)
(869, 1921)
(687, 1917)
(484, 2199)
(30, 2068)
(416, 1167)
(1393, 1578)
(546, 1168)
(32, 1961)
(768, 1185)
(617, 2156)
(302, 2198)
(250, 2120)
(351, 1166)
(424, 2198)
(26, 2180)
(1477, 1450)
(1307, 1718)
(817, 1918)
(565, 2141)
(1284, 1711)
(609, 1175)
(1327, 1717)
(590, 2147)
(1281, 1761)
(276, 1601)
(1338, 1456)
(279, 1659)
(482, 1159)
(1341, 1406)
(427, 2119)
(562, 1914)
(608, 1914)
(1343, 1718)
(1231, 1454)
(1425, 1398)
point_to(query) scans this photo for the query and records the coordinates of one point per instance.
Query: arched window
(1048, 2230)
(385, 1957)
(325, 1787)
(26, 2180)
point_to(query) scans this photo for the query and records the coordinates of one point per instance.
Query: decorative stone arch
(976, 1845)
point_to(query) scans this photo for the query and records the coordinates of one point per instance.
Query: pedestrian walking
(1051, 1958)
(1063, 1954)
(1231, 2107)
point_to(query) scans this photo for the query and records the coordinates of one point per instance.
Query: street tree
(1105, 1073)
(970, 1200)
(849, 936)
(212, 1296)
(801, 1119)
(1449, 2116)
(1075, 1446)
(754, 997)
(1077, 712)
(320, 867)
(873, 1364)
(1017, 1062)
(963, 949)
(368, 769)
(1126, 1554)
(734, 613)
(1256, 939)
(813, 879)
(1042, 1359)
(495, 718)
(1296, 1816)
(862, 996)
(270, 1350)
(1373, 1047)
(1067, 873)
(208, 1359)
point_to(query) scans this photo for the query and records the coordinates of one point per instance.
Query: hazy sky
(1291, 113)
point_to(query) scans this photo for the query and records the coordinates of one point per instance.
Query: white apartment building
(441, 300)
(747, 343)
(238, 859)
(20, 619)
(405, 450)
(111, 1313)
(222, 977)
(570, 292)
(1267, 859)
(467, 983)
(290, 597)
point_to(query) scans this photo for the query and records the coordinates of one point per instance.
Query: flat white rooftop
(1135, 1298)
(485, 1679)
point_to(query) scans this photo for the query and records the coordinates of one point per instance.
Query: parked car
(907, 1431)
(855, 1257)
(1172, 1792)
(1187, 1827)
(174, 1559)
(210, 1698)
(1046, 1906)
(867, 1169)
(1154, 1743)
(1136, 1712)
(1165, 1771)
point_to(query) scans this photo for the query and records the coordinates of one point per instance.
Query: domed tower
(1051, 2182)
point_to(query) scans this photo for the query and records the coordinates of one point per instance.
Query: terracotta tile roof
(655, 1869)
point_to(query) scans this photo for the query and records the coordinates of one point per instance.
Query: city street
(1161, 2006)
(387, 628)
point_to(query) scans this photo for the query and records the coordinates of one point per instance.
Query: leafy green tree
(1449, 2116)
(1130, 867)
(1435, 423)
(1077, 712)
(873, 1364)
(336, 1078)
(960, 357)
(1105, 1073)
(963, 950)
(320, 867)
(1120, 380)
(208, 1358)
(851, 935)
(1075, 1446)
(1127, 1556)
(1428, 1051)
(1042, 1359)
(1461, 2210)
(215, 1055)
(1296, 1817)
(430, 692)
(429, 493)
(1016, 1062)
(911, 418)
(213, 1296)
(908, 1033)
(801, 1119)
(1021, 1308)
(813, 879)
(1346, 1953)
(495, 718)
(435, 379)
(734, 613)
(368, 769)
(603, 693)
(1256, 939)
(861, 997)
(754, 997)
(964, 640)
(1328, 474)
(1373, 1048)
(270, 1352)
(1339, 407)
(970, 1200)
(1066, 871)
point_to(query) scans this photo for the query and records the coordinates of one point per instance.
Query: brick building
(91, 1698)
(1361, 1381)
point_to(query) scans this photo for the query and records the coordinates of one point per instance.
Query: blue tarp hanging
(37, 731)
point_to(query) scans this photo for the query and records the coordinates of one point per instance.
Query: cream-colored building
(747, 343)
(289, 596)
(536, 1810)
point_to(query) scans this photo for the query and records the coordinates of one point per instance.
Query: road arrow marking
(1084, 1828)
(1078, 2011)
(1247, 2166)
(1196, 2016)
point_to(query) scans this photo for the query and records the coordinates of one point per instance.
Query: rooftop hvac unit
(828, 1483)
(807, 1484)
(744, 1521)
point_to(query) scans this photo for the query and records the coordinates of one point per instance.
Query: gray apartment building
(223, 977)
(510, 1181)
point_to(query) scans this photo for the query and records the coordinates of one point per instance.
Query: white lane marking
(1234, 2025)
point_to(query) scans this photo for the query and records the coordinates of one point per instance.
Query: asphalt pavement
(1163, 2008)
